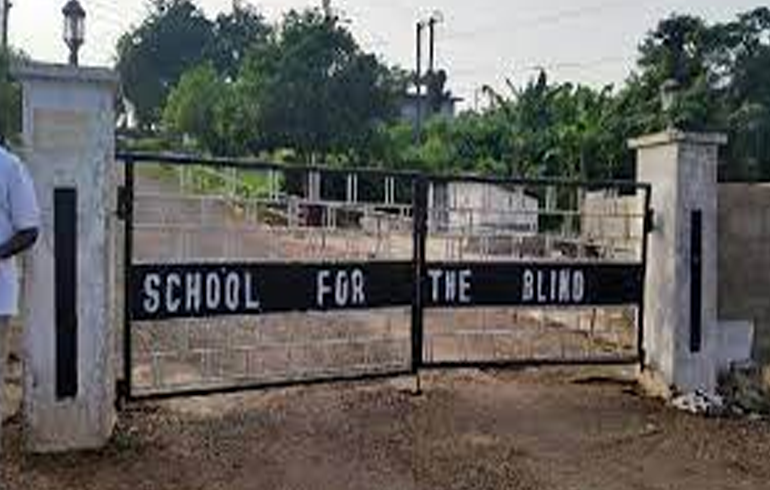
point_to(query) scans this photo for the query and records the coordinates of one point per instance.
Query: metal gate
(243, 274)
(534, 272)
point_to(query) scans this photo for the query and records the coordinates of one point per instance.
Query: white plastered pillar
(68, 144)
(682, 169)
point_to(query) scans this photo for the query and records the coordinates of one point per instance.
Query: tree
(312, 89)
(234, 34)
(152, 57)
(723, 72)
(193, 106)
(745, 59)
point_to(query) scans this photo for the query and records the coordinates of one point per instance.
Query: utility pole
(431, 81)
(6, 14)
(418, 86)
(430, 76)
(432, 44)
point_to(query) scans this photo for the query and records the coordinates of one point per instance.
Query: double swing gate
(242, 275)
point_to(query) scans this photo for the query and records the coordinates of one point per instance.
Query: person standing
(19, 228)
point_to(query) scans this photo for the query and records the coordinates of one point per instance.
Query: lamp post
(418, 86)
(668, 98)
(74, 28)
(5, 5)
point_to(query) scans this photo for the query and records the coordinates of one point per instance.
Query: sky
(479, 41)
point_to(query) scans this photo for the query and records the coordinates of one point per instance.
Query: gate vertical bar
(646, 230)
(420, 212)
(128, 257)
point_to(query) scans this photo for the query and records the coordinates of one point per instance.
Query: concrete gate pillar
(681, 329)
(68, 136)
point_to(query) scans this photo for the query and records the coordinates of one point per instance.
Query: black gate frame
(419, 268)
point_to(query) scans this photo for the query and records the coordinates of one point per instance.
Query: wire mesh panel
(533, 272)
(254, 274)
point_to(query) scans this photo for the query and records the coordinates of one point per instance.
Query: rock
(699, 403)
(745, 389)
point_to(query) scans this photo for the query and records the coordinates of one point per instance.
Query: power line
(559, 65)
(549, 18)
(399, 5)
(109, 21)
(471, 87)
(563, 15)
(121, 12)
(98, 10)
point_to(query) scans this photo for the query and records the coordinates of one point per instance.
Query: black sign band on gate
(454, 285)
(205, 290)
(169, 291)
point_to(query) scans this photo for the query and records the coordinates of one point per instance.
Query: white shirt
(18, 211)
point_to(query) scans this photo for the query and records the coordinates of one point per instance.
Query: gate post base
(69, 399)
(681, 328)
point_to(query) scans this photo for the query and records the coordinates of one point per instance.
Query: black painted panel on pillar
(696, 281)
(65, 292)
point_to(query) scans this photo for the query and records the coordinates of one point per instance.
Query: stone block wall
(744, 259)
(614, 222)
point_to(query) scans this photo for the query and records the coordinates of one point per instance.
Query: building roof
(409, 96)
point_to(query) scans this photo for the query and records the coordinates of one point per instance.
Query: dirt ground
(468, 430)
(547, 429)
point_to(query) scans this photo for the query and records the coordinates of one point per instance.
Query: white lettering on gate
(565, 286)
(322, 288)
(528, 287)
(465, 286)
(232, 291)
(450, 287)
(347, 289)
(359, 298)
(341, 289)
(435, 278)
(213, 291)
(578, 287)
(151, 301)
(554, 287)
(193, 292)
(541, 298)
(173, 283)
(252, 298)
(456, 286)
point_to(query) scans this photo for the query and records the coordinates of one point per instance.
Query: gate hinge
(124, 203)
(649, 221)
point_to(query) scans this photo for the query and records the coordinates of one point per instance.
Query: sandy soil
(527, 430)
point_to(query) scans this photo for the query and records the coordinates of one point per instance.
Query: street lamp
(74, 28)
(668, 98)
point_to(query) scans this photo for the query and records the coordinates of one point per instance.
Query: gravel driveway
(469, 430)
